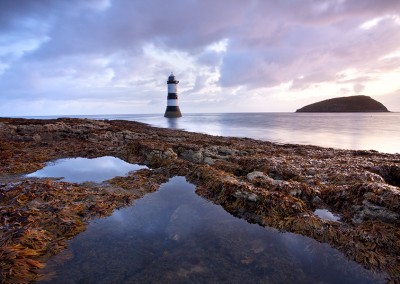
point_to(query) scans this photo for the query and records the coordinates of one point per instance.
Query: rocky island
(346, 104)
(273, 185)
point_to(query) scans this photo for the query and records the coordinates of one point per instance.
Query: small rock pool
(326, 215)
(84, 169)
(175, 236)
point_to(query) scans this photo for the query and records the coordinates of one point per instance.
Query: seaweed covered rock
(266, 183)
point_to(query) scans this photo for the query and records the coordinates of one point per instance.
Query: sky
(77, 57)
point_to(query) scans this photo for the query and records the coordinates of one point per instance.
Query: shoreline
(277, 185)
(371, 131)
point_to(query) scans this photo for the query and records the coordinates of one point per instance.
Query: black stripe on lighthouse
(172, 96)
(172, 108)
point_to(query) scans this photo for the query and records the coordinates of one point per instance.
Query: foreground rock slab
(270, 184)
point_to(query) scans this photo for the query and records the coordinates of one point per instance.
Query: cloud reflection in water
(83, 169)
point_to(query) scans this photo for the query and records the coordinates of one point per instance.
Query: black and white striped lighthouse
(172, 102)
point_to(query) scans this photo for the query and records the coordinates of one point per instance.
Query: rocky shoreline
(265, 183)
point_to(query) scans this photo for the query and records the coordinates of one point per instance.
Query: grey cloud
(358, 88)
(125, 25)
(311, 78)
(357, 80)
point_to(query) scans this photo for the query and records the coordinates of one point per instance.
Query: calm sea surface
(358, 131)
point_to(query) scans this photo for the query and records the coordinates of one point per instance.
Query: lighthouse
(172, 101)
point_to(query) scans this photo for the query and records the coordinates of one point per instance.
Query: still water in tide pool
(84, 169)
(175, 236)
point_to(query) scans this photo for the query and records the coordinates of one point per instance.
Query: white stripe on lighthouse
(172, 102)
(172, 88)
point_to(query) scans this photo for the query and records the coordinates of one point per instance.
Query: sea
(355, 131)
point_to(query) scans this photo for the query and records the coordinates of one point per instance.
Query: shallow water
(175, 236)
(326, 215)
(356, 131)
(83, 169)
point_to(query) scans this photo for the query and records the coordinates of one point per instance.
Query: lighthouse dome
(171, 79)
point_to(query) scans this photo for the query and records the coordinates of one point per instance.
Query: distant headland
(346, 104)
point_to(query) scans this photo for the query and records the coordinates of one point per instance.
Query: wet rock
(193, 156)
(159, 155)
(260, 179)
(209, 161)
(219, 152)
(316, 201)
(296, 192)
(36, 138)
(246, 195)
(370, 211)
(169, 154)
(252, 197)
(256, 174)
(390, 173)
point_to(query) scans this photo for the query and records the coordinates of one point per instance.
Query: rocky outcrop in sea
(346, 104)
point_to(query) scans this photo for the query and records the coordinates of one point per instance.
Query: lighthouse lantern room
(172, 101)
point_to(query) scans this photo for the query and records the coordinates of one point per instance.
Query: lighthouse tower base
(172, 111)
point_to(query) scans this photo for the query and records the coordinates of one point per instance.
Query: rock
(193, 156)
(246, 195)
(36, 138)
(390, 173)
(370, 211)
(256, 174)
(295, 192)
(258, 177)
(209, 161)
(316, 201)
(219, 152)
(346, 104)
(169, 154)
(252, 197)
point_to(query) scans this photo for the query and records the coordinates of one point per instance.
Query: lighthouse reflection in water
(173, 123)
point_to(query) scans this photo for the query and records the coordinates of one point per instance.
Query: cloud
(358, 88)
(391, 100)
(101, 51)
(299, 48)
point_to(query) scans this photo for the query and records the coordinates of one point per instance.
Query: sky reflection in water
(326, 215)
(175, 236)
(83, 169)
